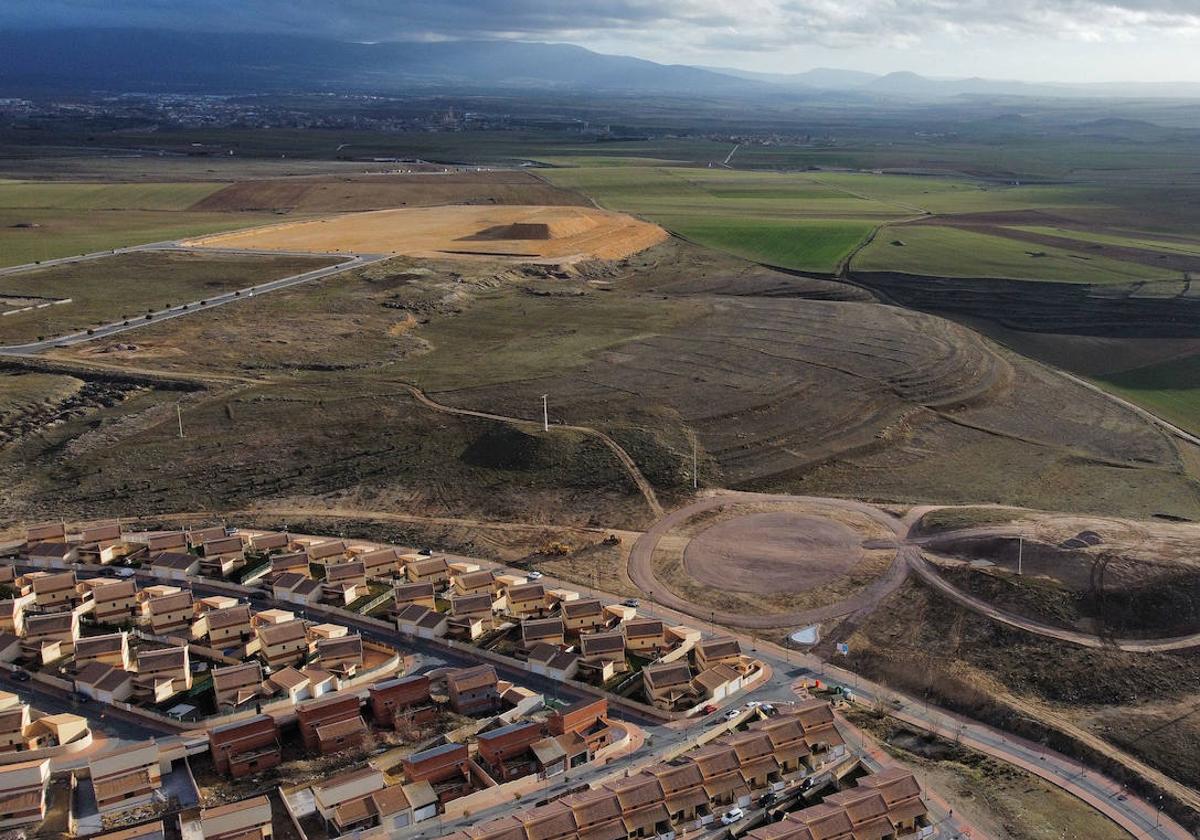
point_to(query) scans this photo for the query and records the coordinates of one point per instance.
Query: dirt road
(631, 467)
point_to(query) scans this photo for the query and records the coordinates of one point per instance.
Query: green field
(1130, 240)
(126, 285)
(46, 220)
(952, 252)
(818, 246)
(788, 220)
(65, 195)
(1170, 389)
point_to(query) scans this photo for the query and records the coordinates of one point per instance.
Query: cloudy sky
(1065, 40)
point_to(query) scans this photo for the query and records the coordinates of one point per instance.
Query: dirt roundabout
(772, 553)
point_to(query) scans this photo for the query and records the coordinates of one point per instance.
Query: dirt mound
(558, 228)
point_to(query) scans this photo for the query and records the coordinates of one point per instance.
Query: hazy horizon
(1067, 41)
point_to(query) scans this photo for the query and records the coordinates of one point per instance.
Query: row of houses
(363, 801)
(688, 793)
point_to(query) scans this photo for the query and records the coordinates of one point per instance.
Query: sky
(1037, 40)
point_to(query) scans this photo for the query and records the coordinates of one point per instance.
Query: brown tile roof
(473, 580)
(595, 644)
(288, 678)
(339, 572)
(527, 592)
(636, 791)
(548, 822)
(98, 645)
(715, 760)
(469, 679)
(235, 807)
(641, 628)
(237, 676)
(824, 821)
(169, 603)
(582, 608)
(894, 784)
(113, 680)
(292, 560)
(319, 551)
(37, 625)
(228, 617)
(226, 545)
(413, 592)
(161, 660)
(91, 673)
(676, 777)
(337, 648)
(278, 634)
(53, 582)
(545, 628)
(379, 557)
(116, 590)
(593, 806)
(54, 550)
(720, 647)
(174, 560)
(713, 678)
(428, 566)
(667, 675)
(341, 728)
(465, 604)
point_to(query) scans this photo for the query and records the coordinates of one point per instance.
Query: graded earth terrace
(521, 233)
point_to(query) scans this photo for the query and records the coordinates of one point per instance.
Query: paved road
(117, 327)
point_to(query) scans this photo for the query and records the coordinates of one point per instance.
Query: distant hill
(129, 60)
(141, 60)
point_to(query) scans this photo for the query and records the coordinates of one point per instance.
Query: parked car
(732, 815)
(753, 704)
(631, 602)
(80, 697)
(732, 714)
(426, 552)
(21, 676)
(767, 799)
(535, 575)
(709, 709)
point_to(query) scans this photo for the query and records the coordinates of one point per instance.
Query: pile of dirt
(556, 228)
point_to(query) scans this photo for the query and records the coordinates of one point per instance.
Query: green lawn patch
(952, 252)
(1169, 389)
(818, 246)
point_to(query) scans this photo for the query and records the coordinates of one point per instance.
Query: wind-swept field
(126, 285)
(955, 252)
(45, 220)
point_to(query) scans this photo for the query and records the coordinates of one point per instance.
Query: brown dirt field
(464, 231)
(386, 191)
(782, 577)
(769, 553)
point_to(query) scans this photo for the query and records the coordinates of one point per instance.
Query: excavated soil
(516, 233)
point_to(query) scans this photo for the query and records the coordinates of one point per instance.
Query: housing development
(600, 421)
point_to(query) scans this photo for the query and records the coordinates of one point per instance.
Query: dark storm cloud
(743, 24)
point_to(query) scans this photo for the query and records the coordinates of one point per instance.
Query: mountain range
(115, 61)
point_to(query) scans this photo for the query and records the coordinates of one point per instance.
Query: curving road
(909, 560)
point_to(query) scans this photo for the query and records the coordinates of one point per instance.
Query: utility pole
(179, 417)
(1020, 555)
(695, 465)
(545, 414)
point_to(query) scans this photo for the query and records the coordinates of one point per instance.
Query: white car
(534, 575)
(732, 714)
(732, 815)
(753, 704)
